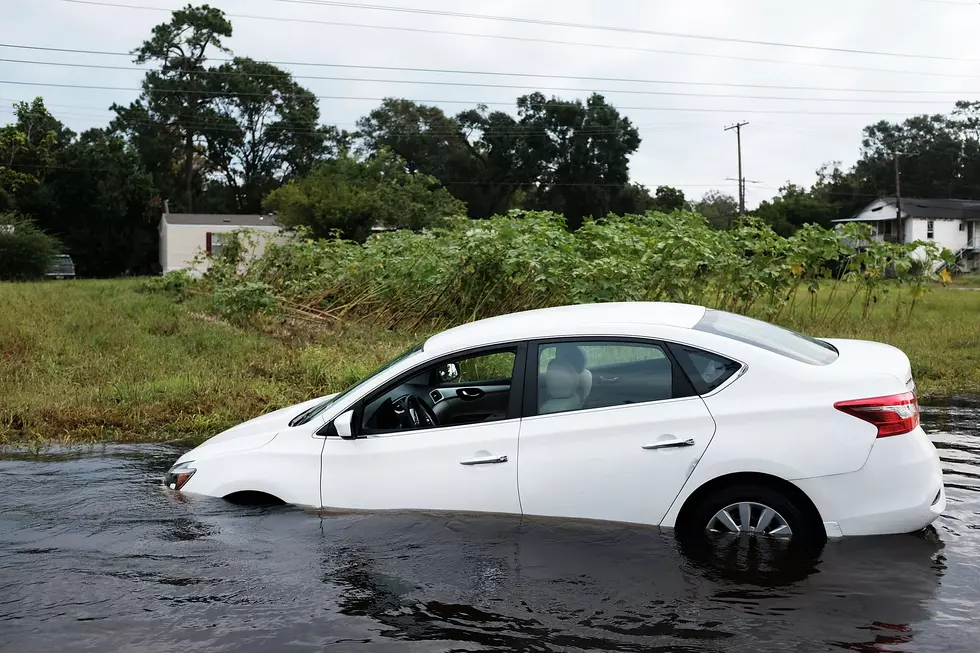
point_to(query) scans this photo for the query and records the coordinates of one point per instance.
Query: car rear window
(768, 336)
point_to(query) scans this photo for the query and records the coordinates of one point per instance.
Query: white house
(948, 223)
(183, 236)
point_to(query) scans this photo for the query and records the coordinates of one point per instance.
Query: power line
(420, 30)
(183, 121)
(41, 166)
(462, 72)
(606, 28)
(499, 86)
(451, 71)
(85, 111)
(469, 102)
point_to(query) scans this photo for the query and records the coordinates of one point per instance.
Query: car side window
(597, 374)
(454, 392)
(481, 369)
(706, 370)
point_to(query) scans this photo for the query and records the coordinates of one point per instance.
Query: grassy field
(89, 361)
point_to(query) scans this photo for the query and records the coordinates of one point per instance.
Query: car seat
(566, 384)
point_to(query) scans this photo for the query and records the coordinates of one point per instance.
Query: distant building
(183, 236)
(948, 223)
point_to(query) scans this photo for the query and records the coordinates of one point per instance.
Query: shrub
(25, 251)
(176, 284)
(524, 260)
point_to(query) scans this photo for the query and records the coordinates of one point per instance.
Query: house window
(930, 230)
(962, 226)
(214, 243)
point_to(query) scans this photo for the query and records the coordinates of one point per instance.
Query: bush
(25, 251)
(176, 284)
(524, 260)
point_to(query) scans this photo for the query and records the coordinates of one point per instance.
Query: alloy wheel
(750, 518)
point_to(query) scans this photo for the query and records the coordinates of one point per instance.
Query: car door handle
(670, 444)
(469, 393)
(489, 460)
(608, 379)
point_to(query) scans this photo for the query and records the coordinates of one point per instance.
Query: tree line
(213, 132)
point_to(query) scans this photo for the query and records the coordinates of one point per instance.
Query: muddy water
(95, 555)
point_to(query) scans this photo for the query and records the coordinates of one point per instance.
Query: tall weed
(524, 260)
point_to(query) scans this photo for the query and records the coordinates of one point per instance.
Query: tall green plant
(25, 251)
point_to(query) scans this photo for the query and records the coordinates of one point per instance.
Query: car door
(463, 465)
(621, 444)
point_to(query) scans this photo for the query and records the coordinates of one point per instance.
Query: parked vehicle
(62, 267)
(649, 413)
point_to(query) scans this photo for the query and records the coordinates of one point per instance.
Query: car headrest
(561, 380)
(571, 354)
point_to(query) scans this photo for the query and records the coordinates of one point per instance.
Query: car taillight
(893, 415)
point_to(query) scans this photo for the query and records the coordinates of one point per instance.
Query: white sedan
(648, 413)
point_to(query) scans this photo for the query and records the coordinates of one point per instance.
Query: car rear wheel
(753, 511)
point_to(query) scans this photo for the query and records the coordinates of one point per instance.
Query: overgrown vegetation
(25, 250)
(525, 260)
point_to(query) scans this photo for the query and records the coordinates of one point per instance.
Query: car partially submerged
(649, 413)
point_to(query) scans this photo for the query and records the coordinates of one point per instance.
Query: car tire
(806, 530)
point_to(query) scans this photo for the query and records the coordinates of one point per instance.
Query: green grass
(91, 361)
(86, 361)
(941, 335)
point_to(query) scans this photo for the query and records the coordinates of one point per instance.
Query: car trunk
(876, 357)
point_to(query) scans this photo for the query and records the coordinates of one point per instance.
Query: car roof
(581, 319)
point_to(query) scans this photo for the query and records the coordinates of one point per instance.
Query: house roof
(883, 208)
(220, 219)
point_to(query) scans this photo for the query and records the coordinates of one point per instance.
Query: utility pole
(898, 184)
(898, 196)
(741, 180)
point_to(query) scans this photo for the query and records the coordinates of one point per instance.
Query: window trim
(530, 407)
(514, 404)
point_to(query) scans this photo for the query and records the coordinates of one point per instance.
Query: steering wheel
(414, 413)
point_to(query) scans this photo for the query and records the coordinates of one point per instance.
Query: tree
(474, 155)
(106, 209)
(353, 196)
(264, 130)
(25, 250)
(632, 199)
(562, 156)
(27, 150)
(793, 208)
(670, 199)
(718, 208)
(176, 106)
(578, 154)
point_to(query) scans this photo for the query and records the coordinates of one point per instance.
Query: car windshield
(768, 336)
(310, 413)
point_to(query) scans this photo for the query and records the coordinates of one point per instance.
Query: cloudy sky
(839, 81)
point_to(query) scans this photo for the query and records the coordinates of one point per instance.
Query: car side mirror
(343, 425)
(447, 373)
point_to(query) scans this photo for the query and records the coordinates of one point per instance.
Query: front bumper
(899, 490)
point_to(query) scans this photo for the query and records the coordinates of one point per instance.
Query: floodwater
(96, 555)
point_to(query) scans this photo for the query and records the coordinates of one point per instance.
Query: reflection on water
(94, 554)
